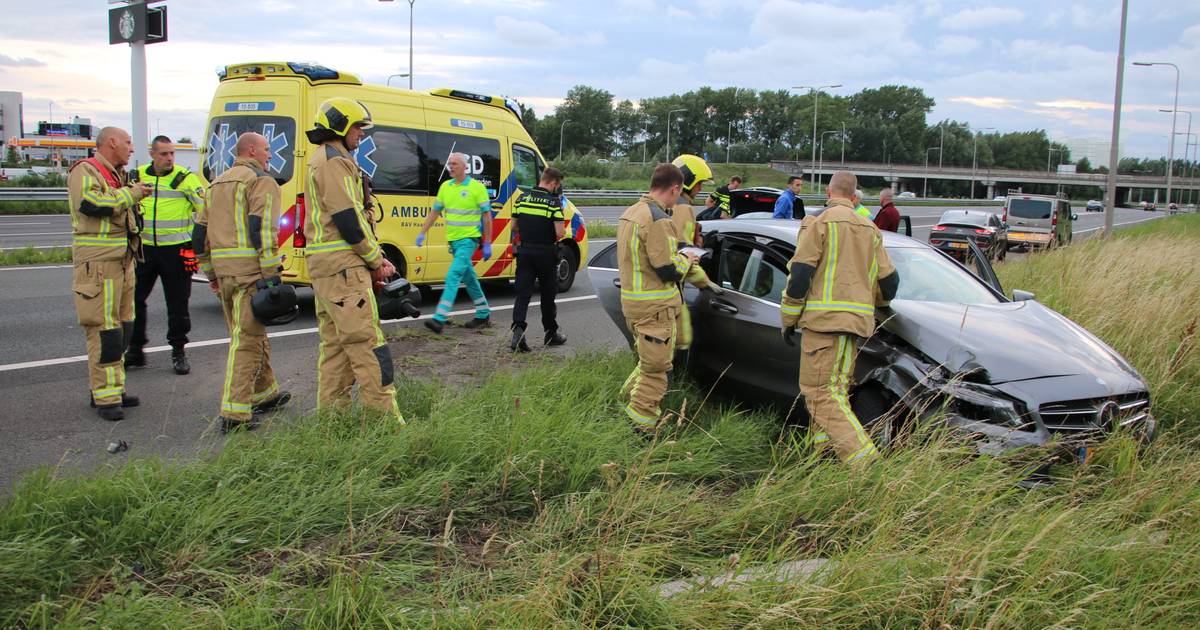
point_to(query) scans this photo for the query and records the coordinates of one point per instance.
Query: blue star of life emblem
(223, 143)
(362, 155)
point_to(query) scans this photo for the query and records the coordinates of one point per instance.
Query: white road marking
(283, 333)
(43, 223)
(28, 268)
(35, 216)
(36, 234)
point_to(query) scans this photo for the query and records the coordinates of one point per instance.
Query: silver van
(1037, 221)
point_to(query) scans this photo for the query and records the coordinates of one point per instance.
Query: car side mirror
(906, 225)
(1022, 296)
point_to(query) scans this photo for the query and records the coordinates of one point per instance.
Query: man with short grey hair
(888, 217)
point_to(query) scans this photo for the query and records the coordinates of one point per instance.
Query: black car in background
(951, 348)
(957, 228)
(753, 199)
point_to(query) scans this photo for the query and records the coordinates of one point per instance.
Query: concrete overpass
(990, 177)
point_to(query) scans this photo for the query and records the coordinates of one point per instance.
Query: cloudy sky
(1012, 65)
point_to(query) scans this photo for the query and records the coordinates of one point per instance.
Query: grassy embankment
(527, 503)
(31, 256)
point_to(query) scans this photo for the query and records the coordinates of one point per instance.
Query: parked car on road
(951, 348)
(1149, 206)
(957, 228)
(1095, 206)
(1038, 221)
(999, 198)
(908, 194)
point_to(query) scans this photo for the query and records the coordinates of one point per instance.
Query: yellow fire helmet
(339, 114)
(695, 171)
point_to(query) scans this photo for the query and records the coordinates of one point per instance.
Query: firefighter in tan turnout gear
(344, 262)
(651, 267)
(105, 245)
(687, 230)
(831, 295)
(234, 240)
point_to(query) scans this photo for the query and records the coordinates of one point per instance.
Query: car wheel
(567, 264)
(879, 414)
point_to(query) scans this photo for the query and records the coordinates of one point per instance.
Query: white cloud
(982, 17)
(25, 62)
(534, 34)
(676, 14)
(956, 45)
(784, 19)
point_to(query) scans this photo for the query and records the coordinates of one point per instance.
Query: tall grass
(1140, 293)
(31, 256)
(529, 502)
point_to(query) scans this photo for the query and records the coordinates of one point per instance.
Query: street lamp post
(941, 143)
(1110, 204)
(815, 90)
(974, 163)
(669, 115)
(1174, 115)
(843, 145)
(561, 130)
(821, 160)
(410, 43)
(1187, 151)
(729, 133)
(925, 186)
(1170, 164)
(1051, 151)
(406, 74)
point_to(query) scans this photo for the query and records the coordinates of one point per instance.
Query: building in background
(1094, 149)
(11, 116)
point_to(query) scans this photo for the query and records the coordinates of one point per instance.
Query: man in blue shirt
(783, 205)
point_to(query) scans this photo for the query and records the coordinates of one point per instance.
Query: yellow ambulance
(404, 155)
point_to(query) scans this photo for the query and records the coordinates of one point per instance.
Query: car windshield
(958, 217)
(928, 276)
(1030, 208)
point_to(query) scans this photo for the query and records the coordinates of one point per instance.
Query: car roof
(786, 230)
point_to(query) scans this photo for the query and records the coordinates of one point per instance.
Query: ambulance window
(527, 168)
(484, 163)
(395, 160)
(223, 132)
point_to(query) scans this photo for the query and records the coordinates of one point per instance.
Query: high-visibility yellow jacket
(684, 217)
(103, 212)
(235, 232)
(339, 235)
(169, 210)
(839, 261)
(649, 262)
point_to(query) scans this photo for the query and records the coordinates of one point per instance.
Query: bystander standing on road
(888, 217)
(789, 205)
(105, 244)
(177, 196)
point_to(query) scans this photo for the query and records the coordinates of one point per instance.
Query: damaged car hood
(1015, 341)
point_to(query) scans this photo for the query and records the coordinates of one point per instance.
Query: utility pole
(1174, 116)
(974, 163)
(941, 143)
(925, 187)
(843, 145)
(815, 91)
(1114, 157)
(561, 129)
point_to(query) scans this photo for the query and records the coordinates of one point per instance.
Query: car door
(978, 264)
(737, 333)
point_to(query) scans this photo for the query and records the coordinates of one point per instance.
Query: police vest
(168, 210)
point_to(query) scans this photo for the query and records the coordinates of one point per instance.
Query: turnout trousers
(540, 264)
(249, 379)
(826, 367)
(654, 340)
(163, 262)
(353, 348)
(462, 273)
(104, 308)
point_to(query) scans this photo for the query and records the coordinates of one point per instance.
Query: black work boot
(435, 326)
(127, 400)
(554, 338)
(517, 344)
(478, 322)
(267, 406)
(179, 362)
(229, 425)
(135, 359)
(112, 413)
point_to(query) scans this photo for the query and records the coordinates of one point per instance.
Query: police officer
(722, 199)
(177, 196)
(831, 294)
(538, 224)
(345, 262)
(234, 240)
(465, 203)
(105, 244)
(651, 266)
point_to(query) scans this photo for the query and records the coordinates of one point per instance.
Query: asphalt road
(47, 421)
(43, 375)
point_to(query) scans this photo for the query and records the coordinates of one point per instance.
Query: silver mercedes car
(952, 348)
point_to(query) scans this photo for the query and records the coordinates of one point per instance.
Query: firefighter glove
(190, 264)
(787, 333)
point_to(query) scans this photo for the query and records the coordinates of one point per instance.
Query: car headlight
(973, 403)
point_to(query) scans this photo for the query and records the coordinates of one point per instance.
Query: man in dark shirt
(888, 217)
(538, 225)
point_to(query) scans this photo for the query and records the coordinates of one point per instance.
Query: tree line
(884, 124)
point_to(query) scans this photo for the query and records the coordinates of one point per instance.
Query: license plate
(1017, 235)
(958, 245)
(1083, 454)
